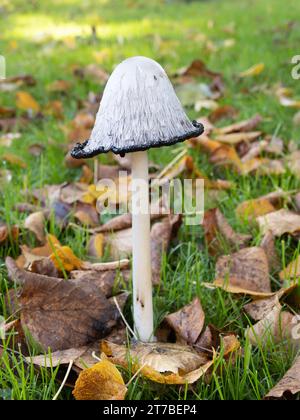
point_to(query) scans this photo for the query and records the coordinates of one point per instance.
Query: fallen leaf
(246, 271)
(160, 362)
(236, 138)
(7, 232)
(219, 234)
(103, 381)
(291, 273)
(26, 102)
(161, 235)
(293, 162)
(119, 243)
(36, 149)
(35, 223)
(251, 209)
(241, 126)
(268, 244)
(260, 308)
(14, 160)
(277, 326)
(188, 322)
(225, 111)
(59, 86)
(55, 109)
(255, 70)
(289, 384)
(64, 259)
(95, 245)
(109, 282)
(62, 314)
(280, 222)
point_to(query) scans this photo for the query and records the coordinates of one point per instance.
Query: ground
(166, 31)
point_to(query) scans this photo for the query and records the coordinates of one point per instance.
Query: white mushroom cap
(139, 110)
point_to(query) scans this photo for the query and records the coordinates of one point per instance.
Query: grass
(46, 40)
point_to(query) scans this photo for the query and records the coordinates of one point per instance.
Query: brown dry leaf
(26, 102)
(260, 308)
(268, 244)
(289, 384)
(270, 167)
(29, 256)
(7, 232)
(293, 162)
(251, 209)
(11, 124)
(36, 149)
(291, 273)
(7, 112)
(161, 235)
(70, 193)
(36, 224)
(20, 80)
(188, 322)
(196, 69)
(236, 138)
(14, 160)
(87, 175)
(255, 70)
(59, 357)
(103, 381)
(119, 243)
(225, 111)
(206, 144)
(245, 272)
(251, 151)
(59, 86)
(219, 234)
(62, 314)
(226, 155)
(72, 163)
(280, 222)
(108, 282)
(55, 109)
(241, 126)
(123, 221)
(96, 72)
(160, 362)
(96, 245)
(278, 325)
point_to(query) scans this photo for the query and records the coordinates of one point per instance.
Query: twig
(64, 381)
(124, 320)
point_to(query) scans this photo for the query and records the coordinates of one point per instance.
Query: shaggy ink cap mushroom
(139, 110)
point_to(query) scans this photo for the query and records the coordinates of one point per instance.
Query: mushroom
(139, 110)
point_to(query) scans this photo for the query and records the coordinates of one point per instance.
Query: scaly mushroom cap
(139, 110)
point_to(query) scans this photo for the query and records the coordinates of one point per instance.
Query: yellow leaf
(14, 160)
(251, 209)
(253, 71)
(64, 258)
(96, 244)
(103, 381)
(26, 102)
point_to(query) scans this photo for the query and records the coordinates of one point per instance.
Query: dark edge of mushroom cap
(79, 153)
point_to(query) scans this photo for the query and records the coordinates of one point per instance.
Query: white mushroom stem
(142, 282)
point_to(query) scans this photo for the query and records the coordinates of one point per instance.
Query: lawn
(48, 40)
